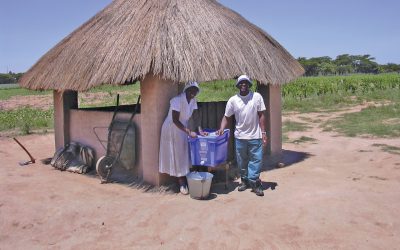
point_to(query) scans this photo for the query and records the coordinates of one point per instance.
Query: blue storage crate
(209, 150)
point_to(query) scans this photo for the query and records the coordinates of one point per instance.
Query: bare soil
(332, 193)
(35, 101)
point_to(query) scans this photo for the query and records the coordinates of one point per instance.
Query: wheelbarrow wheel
(103, 167)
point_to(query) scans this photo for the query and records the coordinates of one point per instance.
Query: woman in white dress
(174, 149)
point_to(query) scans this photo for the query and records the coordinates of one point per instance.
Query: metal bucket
(199, 184)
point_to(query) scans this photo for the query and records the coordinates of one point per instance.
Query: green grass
(327, 94)
(388, 148)
(7, 93)
(305, 87)
(290, 126)
(304, 139)
(210, 91)
(111, 89)
(26, 119)
(335, 102)
(371, 121)
(108, 95)
(9, 86)
(217, 91)
(307, 94)
(308, 119)
(325, 103)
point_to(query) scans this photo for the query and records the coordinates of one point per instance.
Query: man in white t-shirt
(250, 136)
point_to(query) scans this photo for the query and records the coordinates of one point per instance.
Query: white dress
(174, 158)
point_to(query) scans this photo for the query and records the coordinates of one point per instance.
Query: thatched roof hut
(176, 40)
(159, 43)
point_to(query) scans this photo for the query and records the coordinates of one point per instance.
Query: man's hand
(264, 139)
(219, 132)
(224, 124)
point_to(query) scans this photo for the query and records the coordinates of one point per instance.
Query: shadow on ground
(288, 158)
(292, 157)
(223, 182)
(269, 185)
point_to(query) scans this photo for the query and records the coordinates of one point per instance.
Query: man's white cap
(243, 78)
(191, 84)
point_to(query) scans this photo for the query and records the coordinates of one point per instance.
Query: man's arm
(261, 117)
(224, 124)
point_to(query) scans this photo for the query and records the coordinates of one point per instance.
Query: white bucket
(199, 184)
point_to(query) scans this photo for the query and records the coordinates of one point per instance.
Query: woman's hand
(202, 133)
(192, 134)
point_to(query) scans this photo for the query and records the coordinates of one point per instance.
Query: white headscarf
(191, 84)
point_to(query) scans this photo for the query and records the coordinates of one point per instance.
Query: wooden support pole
(273, 101)
(155, 95)
(63, 103)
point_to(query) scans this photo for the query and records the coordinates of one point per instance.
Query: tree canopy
(345, 64)
(10, 77)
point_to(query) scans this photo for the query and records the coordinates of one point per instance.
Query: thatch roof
(177, 40)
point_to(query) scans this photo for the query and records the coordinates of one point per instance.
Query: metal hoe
(23, 163)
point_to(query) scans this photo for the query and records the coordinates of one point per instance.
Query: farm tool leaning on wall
(117, 132)
(22, 163)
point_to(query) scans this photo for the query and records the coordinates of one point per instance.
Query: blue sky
(306, 28)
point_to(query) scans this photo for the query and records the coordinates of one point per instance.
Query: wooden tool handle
(22, 146)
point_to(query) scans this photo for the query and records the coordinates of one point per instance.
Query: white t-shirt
(245, 109)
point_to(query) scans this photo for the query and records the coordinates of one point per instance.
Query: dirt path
(344, 194)
(36, 101)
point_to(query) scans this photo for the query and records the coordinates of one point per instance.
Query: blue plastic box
(209, 150)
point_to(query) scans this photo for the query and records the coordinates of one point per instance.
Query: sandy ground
(36, 101)
(333, 193)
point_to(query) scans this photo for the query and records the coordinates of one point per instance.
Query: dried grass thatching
(178, 40)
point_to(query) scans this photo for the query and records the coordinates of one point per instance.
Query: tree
(344, 64)
(10, 77)
(7, 78)
(390, 67)
(327, 68)
(312, 65)
(365, 64)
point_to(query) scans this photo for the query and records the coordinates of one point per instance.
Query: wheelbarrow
(117, 132)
